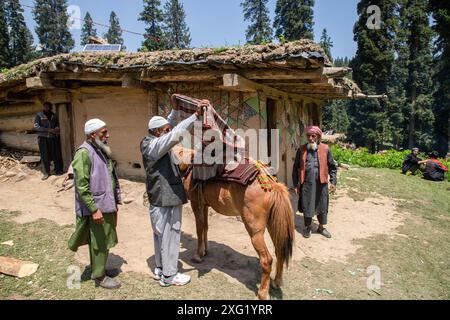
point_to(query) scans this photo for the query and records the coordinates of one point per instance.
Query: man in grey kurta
(166, 192)
(313, 164)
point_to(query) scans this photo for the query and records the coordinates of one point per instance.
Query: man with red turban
(314, 168)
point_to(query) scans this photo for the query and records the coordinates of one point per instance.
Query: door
(64, 111)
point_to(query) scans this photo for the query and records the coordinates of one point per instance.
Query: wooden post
(65, 134)
(17, 268)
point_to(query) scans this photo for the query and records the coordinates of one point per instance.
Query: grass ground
(413, 266)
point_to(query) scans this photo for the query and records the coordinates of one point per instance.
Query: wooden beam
(336, 72)
(235, 82)
(20, 141)
(88, 76)
(18, 110)
(19, 97)
(17, 123)
(283, 74)
(130, 81)
(17, 268)
(184, 76)
(39, 83)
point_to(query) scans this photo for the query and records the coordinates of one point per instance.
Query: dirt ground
(230, 248)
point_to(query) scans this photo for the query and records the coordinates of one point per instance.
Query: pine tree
(419, 87)
(326, 43)
(372, 69)
(114, 34)
(153, 18)
(259, 31)
(294, 19)
(88, 29)
(52, 26)
(20, 38)
(4, 39)
(335, 116)
(441, 14)
(176, 31)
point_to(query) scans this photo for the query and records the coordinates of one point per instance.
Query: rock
(30, 159)
(21, 176)
(10, 174)
(8, 243)
(128, 200)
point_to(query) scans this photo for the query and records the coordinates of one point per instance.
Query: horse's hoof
(197, 259)
(275, 285)
(263, 296)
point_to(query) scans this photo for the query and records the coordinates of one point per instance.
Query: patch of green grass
(45, 242)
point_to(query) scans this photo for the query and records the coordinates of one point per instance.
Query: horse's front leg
(205, 228)
(200, 226)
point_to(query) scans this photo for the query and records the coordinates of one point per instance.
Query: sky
(214, 23)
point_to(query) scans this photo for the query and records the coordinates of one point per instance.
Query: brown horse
(258, 210)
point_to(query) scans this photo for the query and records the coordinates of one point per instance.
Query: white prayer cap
(93, 125)
(156, 122)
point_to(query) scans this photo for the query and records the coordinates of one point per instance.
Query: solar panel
(102, 47)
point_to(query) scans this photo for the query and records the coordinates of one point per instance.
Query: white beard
(312, 146)
(104, 147)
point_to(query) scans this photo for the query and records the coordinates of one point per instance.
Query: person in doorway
(47, 126)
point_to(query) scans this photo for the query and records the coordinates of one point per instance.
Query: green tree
(335, 116)
(441, 14)
(294, 19)
(4, 38)
(326, 43)
(372, 68)
(52, 26)
(256, 12)
(114, 34)
(20, 38)
(88, 29)
(419, 87)
(176, 31)
(153, 17)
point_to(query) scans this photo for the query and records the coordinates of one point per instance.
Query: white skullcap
(93, 125)
(156, 122)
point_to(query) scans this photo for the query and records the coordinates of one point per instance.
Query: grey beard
(312, 146)
(104, 147)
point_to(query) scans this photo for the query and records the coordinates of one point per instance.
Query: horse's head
(186, 158)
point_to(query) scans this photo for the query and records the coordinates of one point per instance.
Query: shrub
(391, 159)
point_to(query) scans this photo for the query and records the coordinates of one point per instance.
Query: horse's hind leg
(205, 228)
(256, 231)
(200, 226)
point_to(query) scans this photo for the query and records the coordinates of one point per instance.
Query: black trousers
(321, 217)
(50, 149)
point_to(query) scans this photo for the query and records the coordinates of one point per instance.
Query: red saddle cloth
(245, 174)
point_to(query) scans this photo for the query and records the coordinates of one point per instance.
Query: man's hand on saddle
(332, 188)
(173, 102)
(201, 107)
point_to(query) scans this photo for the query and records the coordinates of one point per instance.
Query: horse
(258, 209)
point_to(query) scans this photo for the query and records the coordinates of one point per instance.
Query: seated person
(412, 162)
(434, 169)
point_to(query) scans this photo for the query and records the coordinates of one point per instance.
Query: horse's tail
(281, 227)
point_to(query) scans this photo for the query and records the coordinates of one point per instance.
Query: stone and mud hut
(273, 86)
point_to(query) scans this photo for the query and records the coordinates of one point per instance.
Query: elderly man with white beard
(313, 164)
(97, 194)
